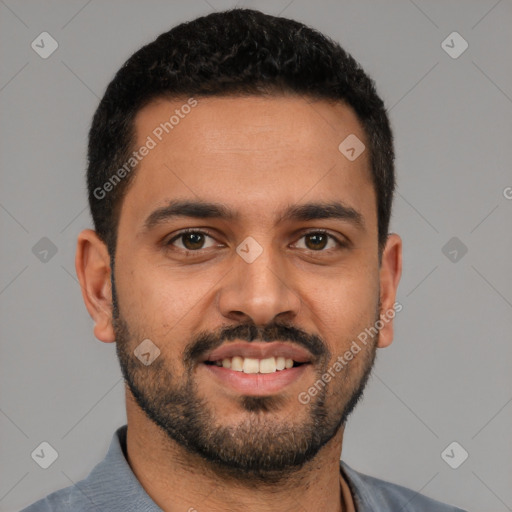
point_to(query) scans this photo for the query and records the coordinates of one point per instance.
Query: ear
(92, 264)
(390, 272)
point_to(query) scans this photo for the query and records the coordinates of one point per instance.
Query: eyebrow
(299, 212)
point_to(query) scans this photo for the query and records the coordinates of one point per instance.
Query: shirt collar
(126, 493)
(113, 483)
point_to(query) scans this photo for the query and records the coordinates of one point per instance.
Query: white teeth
(280, 363)
(237, 364)
(268, 365)
(252, 365)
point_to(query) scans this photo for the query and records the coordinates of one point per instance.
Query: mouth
(257, 369)
(250, 365)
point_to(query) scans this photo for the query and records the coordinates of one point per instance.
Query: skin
(257, 156)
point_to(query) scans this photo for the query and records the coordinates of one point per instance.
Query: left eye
(318, 240)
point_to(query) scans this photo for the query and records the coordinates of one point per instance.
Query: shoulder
(69, 498)
(110, 486)
(375, 495)
(88, 494)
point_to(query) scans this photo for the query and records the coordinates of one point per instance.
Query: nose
(260, 290)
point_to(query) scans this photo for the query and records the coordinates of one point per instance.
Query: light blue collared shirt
(112, 487)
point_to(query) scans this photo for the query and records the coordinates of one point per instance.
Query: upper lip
(258, 350)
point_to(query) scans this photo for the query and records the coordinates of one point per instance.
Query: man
(240, 180)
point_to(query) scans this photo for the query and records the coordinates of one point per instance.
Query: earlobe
(92, 263)
(390, 273)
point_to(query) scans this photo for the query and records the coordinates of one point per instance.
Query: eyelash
(168, 244)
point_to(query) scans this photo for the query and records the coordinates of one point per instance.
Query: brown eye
(190, 240)
(193, 241)
(318, 241)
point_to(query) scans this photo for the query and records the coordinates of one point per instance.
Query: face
(247, 240)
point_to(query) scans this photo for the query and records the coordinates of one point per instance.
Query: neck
(177, 480)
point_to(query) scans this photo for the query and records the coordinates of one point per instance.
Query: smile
(252, 365)
(250, 380)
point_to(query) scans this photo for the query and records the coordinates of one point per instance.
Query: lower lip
(256, 384)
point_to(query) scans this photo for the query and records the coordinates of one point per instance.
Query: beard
(265, 447)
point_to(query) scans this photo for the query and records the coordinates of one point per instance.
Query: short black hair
(237, 52)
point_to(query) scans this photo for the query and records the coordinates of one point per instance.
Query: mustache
(208, 341)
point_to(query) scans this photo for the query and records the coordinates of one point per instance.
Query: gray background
(445, 378)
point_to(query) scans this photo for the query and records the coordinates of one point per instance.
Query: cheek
(160, 300)
(345, 304)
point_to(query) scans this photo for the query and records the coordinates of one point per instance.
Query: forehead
(253, 154)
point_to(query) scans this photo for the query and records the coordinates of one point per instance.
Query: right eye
(191, 240)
